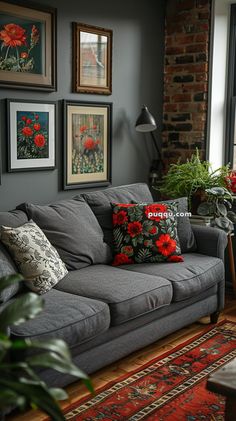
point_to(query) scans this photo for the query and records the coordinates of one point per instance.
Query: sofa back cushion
(7, 266)
(184, 228)
(73, 230)
(100, 203)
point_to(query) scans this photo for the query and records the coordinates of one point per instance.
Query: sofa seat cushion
(128, 294)
(196, 274)
(65, 316)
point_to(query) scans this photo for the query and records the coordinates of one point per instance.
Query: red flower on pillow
(121, 218)
(166, 245)
(156, 208)
(175, 259)
(126, 205)
(114, 219)
(128, 250)
(121, 259)
(153, 230)
(134, 229)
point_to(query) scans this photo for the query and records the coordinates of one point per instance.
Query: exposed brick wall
(186, 78)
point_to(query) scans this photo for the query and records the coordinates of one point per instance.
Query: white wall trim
(218, 86)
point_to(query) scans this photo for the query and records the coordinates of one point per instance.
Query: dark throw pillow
(145, 233)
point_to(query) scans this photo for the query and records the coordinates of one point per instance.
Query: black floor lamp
(146, 124)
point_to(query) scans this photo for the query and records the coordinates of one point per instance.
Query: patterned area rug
(170, 387)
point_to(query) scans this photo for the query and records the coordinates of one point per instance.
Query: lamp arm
(157, 148)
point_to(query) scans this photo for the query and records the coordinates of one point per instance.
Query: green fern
(184, 179)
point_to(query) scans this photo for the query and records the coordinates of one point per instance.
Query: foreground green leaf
(23, 308)
(37, 395)
(6, 281)
(54, 345)
(54, 361)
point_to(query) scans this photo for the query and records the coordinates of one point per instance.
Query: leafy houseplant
(191, 179)
(218, 202)
(20, 386)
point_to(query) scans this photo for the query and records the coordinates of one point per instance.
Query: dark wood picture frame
(92, 59)
(34, 125)
(87, 144)
(29, 63)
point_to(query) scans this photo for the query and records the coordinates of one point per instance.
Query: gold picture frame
(92, 59)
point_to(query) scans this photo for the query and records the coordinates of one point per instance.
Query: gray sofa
(103, 312)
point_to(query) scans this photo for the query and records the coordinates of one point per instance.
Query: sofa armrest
(210, 241)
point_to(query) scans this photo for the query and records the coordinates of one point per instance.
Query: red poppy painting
(26, 47)
(31, 135)
(21, 47)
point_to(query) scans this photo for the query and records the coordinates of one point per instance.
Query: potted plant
(19, 384)
(218, 205)
(191, 179)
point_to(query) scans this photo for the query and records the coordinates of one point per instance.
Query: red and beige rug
(171, 387)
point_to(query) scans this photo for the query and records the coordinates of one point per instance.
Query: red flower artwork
(37, 127)
(121, 259)
(24, 55)
(27, 131)
(13, 35)
(166, 245)
(39, 140)
(28, 121)
(134, 229)
(89, 143)
(83, 128)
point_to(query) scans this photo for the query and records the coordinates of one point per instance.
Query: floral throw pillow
(35, 257)
(145, 233)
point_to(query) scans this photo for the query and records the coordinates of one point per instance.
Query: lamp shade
(145, 122)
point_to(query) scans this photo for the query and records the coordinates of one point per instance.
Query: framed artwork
(87, 144)
(92, 59)
(31, 135)
(27, 46)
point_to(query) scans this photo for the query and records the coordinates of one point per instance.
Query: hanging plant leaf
(232, 216)
(221, 209)
(222, 222)
(204, 209)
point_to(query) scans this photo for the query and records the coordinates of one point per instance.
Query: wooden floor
(133, 361)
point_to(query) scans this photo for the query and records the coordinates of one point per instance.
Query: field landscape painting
(87, 144)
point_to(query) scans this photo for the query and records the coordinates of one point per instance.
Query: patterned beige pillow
(35, 257)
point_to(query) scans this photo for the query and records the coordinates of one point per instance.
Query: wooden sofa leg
(214, 317)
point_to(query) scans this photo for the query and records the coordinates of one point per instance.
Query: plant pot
(197, 198)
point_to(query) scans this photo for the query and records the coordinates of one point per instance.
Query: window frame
(230, 139)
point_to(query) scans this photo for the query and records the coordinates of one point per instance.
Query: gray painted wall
(138, 46)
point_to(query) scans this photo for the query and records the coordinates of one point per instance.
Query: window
(231, 94)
